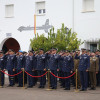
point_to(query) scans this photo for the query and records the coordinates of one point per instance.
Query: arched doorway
(11, 43)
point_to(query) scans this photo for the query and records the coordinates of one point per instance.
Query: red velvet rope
(62, 77)
(35, 76)
(11, 75)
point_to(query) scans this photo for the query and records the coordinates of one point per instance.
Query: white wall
(57, 11)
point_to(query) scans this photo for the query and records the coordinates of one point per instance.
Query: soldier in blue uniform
(67, 68)
(53, 66)
(30, 68)
(41, 68)
(10, 66)
(60, 63)
(2, 67)
(20, 67)
(84, 65)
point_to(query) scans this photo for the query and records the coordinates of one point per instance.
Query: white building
(83, 16)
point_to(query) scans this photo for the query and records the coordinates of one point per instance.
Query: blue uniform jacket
(20, 62)
(66, 64)
(53, 61)
(2, 63)
(30, 63)
(84, 62)
(40, 62)
(11, 62)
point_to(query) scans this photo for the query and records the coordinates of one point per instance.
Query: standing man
(10, 66)
(53, 66)
(30, 68)
(67, 68)
(76, 65)
(84, 65)
(2, 67)
(93, 70)
(98, 75)
(20, 67)
(41, 68)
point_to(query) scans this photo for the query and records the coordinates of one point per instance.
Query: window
(40, 8)
(9, 10)
(88, 5)
(93, 47)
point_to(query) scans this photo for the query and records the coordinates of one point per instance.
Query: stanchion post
(23, 79)
(76, 90)
(0, 78)
(48, 80)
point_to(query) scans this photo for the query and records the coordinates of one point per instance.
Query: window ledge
(84, 11)
(40, 14)
(10, 17)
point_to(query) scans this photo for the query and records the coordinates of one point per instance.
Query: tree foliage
(64, 39)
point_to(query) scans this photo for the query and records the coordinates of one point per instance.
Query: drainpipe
(73, 15)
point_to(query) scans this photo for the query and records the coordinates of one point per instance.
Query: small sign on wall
(8, 34)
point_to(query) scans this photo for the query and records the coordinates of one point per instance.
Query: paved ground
(14, 93)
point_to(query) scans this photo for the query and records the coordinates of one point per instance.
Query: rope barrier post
(23, 79)
(0, 78)
(76, 90)
(48, 80)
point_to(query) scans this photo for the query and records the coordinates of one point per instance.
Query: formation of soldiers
(62, 64)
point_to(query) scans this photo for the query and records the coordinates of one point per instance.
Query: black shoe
(53, 88)
(94, 88)
(40, 87)
(19, 86)
(85, 89)
(10, 85)
(82, 90)
(30, 87)
(67, 89)
(91, 88)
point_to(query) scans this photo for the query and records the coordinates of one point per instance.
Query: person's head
(92, 54)
(20, 52)
(41, 51)
(24, 53)
(77, 51)
(54, 51)
(83, 51)
(11, 52)
(30, 53)
(97, 52)
(1, 54)
(88, 52)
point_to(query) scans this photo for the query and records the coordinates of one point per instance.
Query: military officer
(98, 75)
(76, 65)
(61, 74)
(84, 65)
(67, 68)
(41, 68)
(20, 67)
(93, 70)
(2, 67)
(53, 66)
(30, 68)
(10, 66)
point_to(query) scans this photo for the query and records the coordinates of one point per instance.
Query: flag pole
(34, 24)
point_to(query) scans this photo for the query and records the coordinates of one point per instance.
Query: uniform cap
(11, 50)
(83, 49)
(31, 51)
(41, 49)
(20, 51)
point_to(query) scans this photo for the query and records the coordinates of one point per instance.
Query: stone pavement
(15, 93)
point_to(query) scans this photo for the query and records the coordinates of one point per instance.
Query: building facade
(17, 21)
